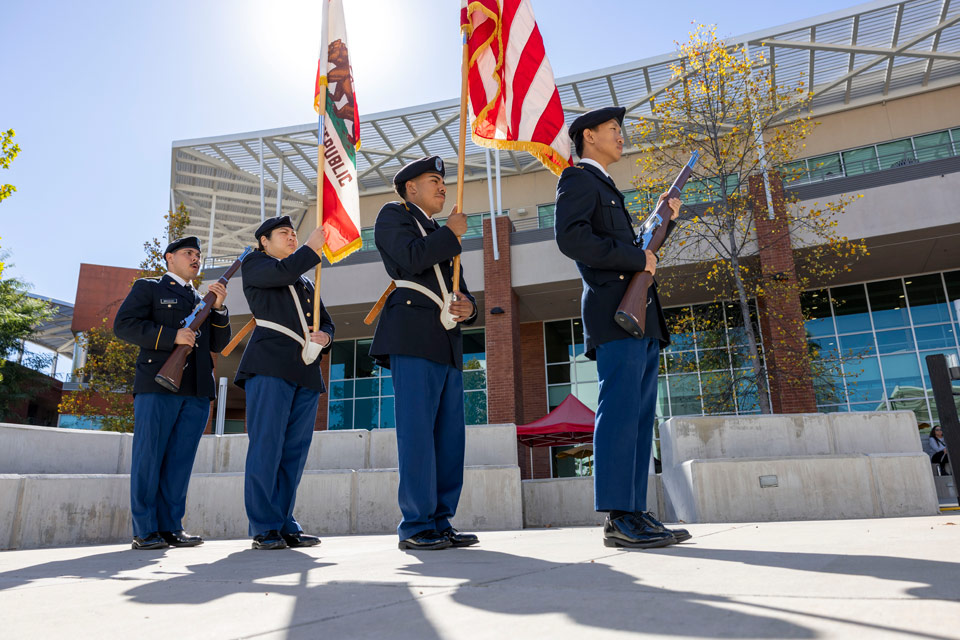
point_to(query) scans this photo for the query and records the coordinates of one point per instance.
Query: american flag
(513, 95)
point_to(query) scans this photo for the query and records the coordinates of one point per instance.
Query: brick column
(504, 393)
(534, 398)
(781, 320)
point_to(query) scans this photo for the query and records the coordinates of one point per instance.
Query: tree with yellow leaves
(723, 102)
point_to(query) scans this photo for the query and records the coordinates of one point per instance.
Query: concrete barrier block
(325, 502)
(559, 502)
(376, 500)
(905, 484)
(345, 449)
(946, 488)
(232, 453)
(27, 449)
(73, 509)
(126, 453)
(718, 437)
(491, 444)
(205, 461)
(806, 488)
(875, 432)
(491, 499)
(10, 485)
(215, 506)
(383, 449)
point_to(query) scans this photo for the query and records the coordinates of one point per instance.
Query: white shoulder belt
(310, 351)
(446, 318)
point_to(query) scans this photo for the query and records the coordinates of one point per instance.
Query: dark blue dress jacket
(594, 228)
(150, 317)
(269, 352)
(410, 322)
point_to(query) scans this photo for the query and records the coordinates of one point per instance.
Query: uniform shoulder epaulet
(150, 279)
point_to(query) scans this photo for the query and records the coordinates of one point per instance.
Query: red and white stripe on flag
(513, 95)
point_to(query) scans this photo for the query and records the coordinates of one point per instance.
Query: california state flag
(335, 101)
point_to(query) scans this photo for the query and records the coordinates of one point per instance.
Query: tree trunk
(758, 369)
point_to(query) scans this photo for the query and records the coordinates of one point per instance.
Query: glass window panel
(928, 302)
(663, 364)
(684, 395)
(828, 383)
(341, 360)
(577, 336)
(474, 380)
(366, 388)
(718, 396)
(741, 358)
(366, 414)
(588, 394)
(839, 408)
(366, 367)
(869, 406)
(857, 161)
(340, 415)
(747, 400)
(388, 416)
(825, 348)
(895, 154)
(557, 394)
(863, 380)
(474, 349)
(923, 363)
(919, 408)
(680, 323)
(816, 308)
(663, 406)
(710, 326)
(888, 303)
(714, 359)
(956, 140)
(952, 280)
(935, 336)
(682, 362)
(902, 376)
(386, 386)
(545, 215)
(825, 167)
(341, 390)
(559, 373)
(850, 308)
(475, 407)
(933, 146)
(558, 340)
(895, 341)
(794, 171)
(857, 345)
(586, 370)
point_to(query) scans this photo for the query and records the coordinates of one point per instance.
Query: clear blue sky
(98, 90)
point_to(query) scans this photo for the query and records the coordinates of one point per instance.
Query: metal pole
(172, 209)
(221, 405)
(493, 218)
(213, 216)
(771, 214)
(943, 396)
(280, 190)
(263, 206)
(486, 155)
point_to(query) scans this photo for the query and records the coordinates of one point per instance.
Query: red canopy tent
(570, 423)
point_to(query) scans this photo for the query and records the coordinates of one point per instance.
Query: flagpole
(320, 170)
(461, 151)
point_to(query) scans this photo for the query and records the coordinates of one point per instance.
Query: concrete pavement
(889, 578)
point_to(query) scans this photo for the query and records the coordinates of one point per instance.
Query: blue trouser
(430, 442)
(280, 420)
(166, 433)
(623, 437)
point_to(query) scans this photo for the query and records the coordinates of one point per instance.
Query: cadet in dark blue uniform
(594, 228)
(168, 426)
(280, 372)
(425, 357)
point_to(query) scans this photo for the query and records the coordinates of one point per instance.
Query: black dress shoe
(300, 539)
(632, 532)
(458, 539)
(426, 541)
(679, 534)
(181, 538)
(150, 541)
(269, 540)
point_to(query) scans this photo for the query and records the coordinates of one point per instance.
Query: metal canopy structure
(55, 334)
(868, 53)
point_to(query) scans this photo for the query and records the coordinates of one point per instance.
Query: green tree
(724, 103)
(8, 151)
(108, 373)
(20, 314)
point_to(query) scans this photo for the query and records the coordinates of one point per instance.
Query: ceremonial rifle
(171, 373)
(631, 315)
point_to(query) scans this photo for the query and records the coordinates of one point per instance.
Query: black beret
(433, 164)
(270, 224)
(593, 118)
(190, 242)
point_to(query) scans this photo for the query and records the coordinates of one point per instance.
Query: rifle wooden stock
(171, 373)
(631, 315)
